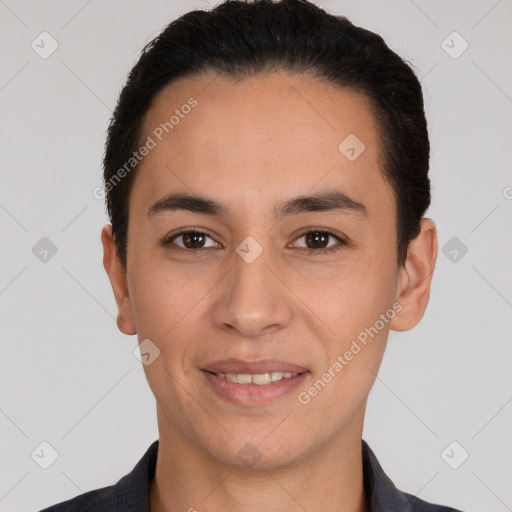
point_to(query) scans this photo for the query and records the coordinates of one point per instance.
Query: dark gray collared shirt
(131, 493)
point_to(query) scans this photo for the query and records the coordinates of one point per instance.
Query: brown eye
(191, 240)
(316, 241)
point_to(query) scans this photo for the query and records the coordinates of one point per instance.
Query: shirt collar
(381, 493)
(132, 491)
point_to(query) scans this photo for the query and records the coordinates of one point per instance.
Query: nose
(253, 300)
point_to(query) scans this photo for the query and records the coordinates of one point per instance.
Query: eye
(318, 238)
(192, 239)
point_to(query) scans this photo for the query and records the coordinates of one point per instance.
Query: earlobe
(416, 277)
(117, 276)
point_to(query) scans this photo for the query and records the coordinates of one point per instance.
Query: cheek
(353, 297)
(168, 308)
(357, 307)
(339, 388)
(160, 298)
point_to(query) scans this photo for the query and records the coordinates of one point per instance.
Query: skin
(250, 145)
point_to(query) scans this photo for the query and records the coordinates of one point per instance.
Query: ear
(117, 276)
(415, 277)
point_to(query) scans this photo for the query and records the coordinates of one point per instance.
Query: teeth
(258, 378)
(243, 379)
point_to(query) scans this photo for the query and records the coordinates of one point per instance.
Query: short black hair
(242, 39)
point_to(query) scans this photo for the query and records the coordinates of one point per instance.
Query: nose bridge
(253, 300)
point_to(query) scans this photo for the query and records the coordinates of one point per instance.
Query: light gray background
(69, 377)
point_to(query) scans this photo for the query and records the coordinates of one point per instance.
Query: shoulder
(99, 500)
(129, 494)
(418, 505)
(382, 493)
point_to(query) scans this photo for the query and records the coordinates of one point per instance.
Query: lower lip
(253, 394)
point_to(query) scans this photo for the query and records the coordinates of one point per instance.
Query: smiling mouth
(254, 384)
(255, 378)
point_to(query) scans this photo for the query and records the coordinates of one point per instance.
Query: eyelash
(168, 241)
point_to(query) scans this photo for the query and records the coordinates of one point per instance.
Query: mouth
(253, 383)
(259, 379)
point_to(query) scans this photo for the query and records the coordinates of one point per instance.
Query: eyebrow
(321, 202)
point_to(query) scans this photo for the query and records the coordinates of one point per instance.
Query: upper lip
(253, 367)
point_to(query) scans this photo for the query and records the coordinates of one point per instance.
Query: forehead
(278, 134)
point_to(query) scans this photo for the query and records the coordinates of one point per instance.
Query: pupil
(192, 238)
(315, 236)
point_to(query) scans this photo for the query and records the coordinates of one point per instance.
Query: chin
(255, 455)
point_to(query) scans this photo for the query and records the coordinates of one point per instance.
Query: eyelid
(319, 229)
(167, 241)
(342, 240)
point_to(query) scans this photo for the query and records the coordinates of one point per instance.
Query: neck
(188, 478)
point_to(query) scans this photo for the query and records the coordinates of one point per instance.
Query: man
(266, 176)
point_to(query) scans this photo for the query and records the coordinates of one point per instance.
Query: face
(257, 278)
